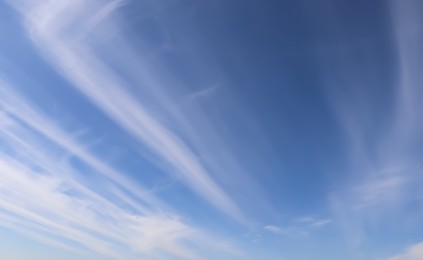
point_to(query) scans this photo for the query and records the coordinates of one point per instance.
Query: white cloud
(15, 105)
(275, 229)
(302, 226)
(313, 222)
(321, 223)
(414, 252)
(42, 197)
(63, 31)
(203, 93)
(380, 147)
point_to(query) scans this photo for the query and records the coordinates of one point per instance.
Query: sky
(196, 129)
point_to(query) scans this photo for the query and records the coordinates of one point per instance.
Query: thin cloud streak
(61, 33)
(384, 167)
(12, 103)
(414, 252)
(41, 197)
(276, 229)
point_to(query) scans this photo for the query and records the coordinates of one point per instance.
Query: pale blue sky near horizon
(181, 129)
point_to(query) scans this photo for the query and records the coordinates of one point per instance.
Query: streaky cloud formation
(385, 170)
(42, 196)
(19, 108)
(184, 129)
(414, 252)
(67, 41)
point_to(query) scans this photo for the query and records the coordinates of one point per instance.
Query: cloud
(275, 229)
(13, 104)
(42, 196)
(65, 34)
(321, 223)
(313, 222)
(303, 226)
(291, 231)
(380, 134)
(414, 252)
(41, 203)
(203, 93)
(85, 43)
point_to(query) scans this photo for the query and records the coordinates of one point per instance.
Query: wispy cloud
(380, 136)
(321, 223)
(371, 200)
(69, 36)
(312, 221)
(414, 252)
(290, 231)
(303, 226)
(43, 196)
(203, 93)
(275, 229)
(19, 108)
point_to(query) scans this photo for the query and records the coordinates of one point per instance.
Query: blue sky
(180, 129)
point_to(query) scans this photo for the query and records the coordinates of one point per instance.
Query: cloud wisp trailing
(414, 252)
(148, 128)
(43, 196)
(302, 227)
(382, 127)
(101, 208)
(67, 34)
